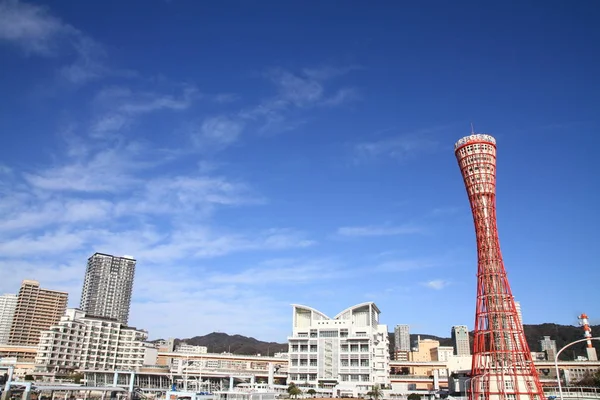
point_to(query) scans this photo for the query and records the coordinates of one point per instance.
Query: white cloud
(342, 96)
(374, 230)
(436, 284)
(400, 147)
(31, 27)
(217, 133)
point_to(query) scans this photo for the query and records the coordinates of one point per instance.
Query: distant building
(37, 309)
(80, 341)
(348, 353)
(548, 346)
(402, 338)
(423, 350)
(8, 304)
(442, 353)
(460, 337)
(191, 349)
(400, 355)
(107, 286)
(519, 315)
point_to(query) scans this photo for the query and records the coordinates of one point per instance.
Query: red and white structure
(502, 367)
(587, 333)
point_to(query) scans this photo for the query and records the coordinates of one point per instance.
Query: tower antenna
(472, 129)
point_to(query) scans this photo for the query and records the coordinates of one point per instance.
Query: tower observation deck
(502, 366)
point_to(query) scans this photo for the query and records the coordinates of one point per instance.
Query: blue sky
(252, 155)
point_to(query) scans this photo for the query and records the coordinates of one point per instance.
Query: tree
(414, 396)
(293, 390)
(375, 392)
(311, 392)
(591, 379)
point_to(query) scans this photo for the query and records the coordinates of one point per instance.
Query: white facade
(8, 305)
(191, 349)
(402, 338)
(347, 354)
(460, 336)
(86, 342)
(548, 346)
(108, 286)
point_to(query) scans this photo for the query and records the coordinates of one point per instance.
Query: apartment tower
(460, 337)
(8, 304)
(37, 310)
(107, 286)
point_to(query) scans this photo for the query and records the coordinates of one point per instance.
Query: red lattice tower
(502, 366)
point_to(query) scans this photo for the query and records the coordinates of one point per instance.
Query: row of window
(313, 348)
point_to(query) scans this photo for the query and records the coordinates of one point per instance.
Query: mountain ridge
(219, 342)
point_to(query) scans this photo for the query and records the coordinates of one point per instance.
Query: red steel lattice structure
(502, 366)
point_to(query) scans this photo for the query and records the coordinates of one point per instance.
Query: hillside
(237, 344)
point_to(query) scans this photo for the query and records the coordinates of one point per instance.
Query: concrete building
(402, 338)
(519, 315)
(37, 309)
(460, 336)
(423, 350)
(548, 346)
(8, 304)
(191, 349)
(107, 286)
(442, 353)
(81, 342)
(347, 354)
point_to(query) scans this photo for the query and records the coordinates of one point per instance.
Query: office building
(460, 337)
(82, 342)
(107, 287)
(347, 354)
(548, 346)
(8, 304)
(402, 338)
(37, 310)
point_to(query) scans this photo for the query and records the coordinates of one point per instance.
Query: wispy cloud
(436, 284)
(36, 31)
(378, 230)
(216, 133)
(297, 91)
(399, 147)
(31, 27)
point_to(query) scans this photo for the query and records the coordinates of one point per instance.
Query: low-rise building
(80, 341)
(190, 349)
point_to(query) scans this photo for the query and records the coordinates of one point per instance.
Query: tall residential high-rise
(519, 315)
(502, 366)
(402, 338)
(8, 304)
(548, 346)
(460, 337)
(107, 286)
(37, 310)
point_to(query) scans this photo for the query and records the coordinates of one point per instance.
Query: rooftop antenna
(472, 129)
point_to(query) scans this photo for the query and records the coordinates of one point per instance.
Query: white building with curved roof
(348, 353)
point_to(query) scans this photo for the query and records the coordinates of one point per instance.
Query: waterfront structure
(107, 286)
(8, 304)
(347, 354)
(402, 338)
(80, 341)
(37, 309)
(460, 337)
(191, 349)
(548, 347)
(502, 367)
